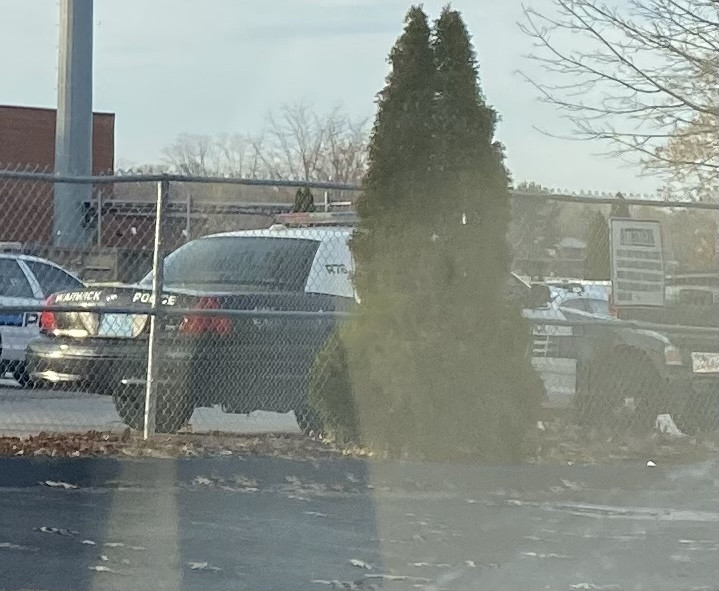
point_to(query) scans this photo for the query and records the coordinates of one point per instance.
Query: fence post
(163, 190)
(99, 219)
(188, 217)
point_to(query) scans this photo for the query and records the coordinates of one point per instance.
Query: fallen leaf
(103, 569)
(55, 530)
(58, 484)
(549, 555)
(386, 577)
(11, 546)
(571, 485)
(202, 566)
(360, 564)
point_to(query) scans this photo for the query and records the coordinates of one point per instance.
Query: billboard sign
(637, 263)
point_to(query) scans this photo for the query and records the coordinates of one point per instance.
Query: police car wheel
(619, 388)
(171, 413)
(699, 414)
(22, 377)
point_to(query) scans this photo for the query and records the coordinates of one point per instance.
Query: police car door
(17, 288)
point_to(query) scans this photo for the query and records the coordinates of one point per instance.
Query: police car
(241, 357)
(25, 280)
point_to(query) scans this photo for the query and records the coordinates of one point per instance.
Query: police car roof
(592, 292)
(318, 233)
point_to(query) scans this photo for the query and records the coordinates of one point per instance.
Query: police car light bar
(337, 218)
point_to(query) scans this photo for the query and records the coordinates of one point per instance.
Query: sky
(166, 67)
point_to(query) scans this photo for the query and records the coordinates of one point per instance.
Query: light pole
(73, 128)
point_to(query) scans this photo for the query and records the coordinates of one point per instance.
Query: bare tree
(643, 76)
(297, 143)
(191, 155)
(303, 145)
(345, 157)
(236, 155)
(204, 155)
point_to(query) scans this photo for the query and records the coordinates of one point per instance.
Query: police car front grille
(545, 346)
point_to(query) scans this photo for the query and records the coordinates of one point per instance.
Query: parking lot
(30, 411)
(26, 411)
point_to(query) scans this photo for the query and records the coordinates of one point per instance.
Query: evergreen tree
(400, 143)
(619, 209)
(437, 359)
(304, 201)
(387, 251)
(489, 393)
(597, 266)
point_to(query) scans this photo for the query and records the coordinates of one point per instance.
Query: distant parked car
(698, 289)
(25, 280)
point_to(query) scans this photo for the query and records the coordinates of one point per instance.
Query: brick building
(27, 142)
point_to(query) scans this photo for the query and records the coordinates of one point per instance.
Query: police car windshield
(591, 305)
(272, 263)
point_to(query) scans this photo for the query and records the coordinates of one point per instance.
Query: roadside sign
(637, 263)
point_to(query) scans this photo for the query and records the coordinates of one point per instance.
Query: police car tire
(612, 376)
(169, 415)
(699, 414)
(22, 377)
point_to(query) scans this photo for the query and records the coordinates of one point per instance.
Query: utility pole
(73, 129)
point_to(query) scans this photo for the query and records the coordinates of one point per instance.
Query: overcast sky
(170, 66)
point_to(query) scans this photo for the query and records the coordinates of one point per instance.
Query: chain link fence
(239, 327)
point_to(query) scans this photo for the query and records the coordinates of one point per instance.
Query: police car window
(52, 279)
(245, 261)
(598, 306)
(13, 283)
(576, 305)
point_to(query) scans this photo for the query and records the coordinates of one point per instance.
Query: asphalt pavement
(28, 411)
(270, 523)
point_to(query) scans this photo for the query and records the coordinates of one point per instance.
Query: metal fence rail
(232, 333)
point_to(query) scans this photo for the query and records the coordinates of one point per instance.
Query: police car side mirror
(538, 296)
